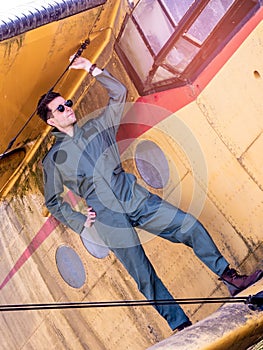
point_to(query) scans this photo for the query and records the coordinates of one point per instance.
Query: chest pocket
(88, 133)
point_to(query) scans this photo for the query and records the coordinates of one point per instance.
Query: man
(86, 160)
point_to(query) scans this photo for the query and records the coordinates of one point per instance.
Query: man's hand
(80, 63)
(84, 63)
(91, 216)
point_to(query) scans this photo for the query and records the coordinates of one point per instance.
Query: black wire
(119, 303)
(255, 302)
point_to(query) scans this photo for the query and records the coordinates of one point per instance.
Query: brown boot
(182, 326)
(236, 283)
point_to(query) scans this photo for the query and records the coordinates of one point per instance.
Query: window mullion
(182, 27)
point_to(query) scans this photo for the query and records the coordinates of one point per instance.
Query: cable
(256, 300)
(78, 54)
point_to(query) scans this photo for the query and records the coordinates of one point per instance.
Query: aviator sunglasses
(61, 108)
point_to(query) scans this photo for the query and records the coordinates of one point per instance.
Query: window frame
(238, 14)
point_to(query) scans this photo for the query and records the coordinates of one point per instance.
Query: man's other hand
(91, 217)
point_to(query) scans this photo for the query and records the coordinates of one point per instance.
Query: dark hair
(42, 108)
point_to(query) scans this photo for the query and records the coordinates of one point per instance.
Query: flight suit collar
(60, 136)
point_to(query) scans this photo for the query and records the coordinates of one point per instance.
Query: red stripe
(50, 224)
(135, 124)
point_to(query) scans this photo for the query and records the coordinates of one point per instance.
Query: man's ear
(51, 122)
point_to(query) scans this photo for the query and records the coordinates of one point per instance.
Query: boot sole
(233, 290)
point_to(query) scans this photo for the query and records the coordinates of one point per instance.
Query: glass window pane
(154, 24)
(163, 74)
(178, 8)
(136, 51)
(208, 19)
(181, 55)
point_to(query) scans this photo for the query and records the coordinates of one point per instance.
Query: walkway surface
(232, 326)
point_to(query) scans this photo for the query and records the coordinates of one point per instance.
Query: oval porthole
(70, 266)
(152, 164)
(93, 243)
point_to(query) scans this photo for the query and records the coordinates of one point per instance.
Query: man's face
(61, 120)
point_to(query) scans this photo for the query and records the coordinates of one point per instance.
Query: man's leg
(149, 284)
(124, 242)
(165, 220)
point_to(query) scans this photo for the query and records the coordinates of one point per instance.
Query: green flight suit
(89, 165)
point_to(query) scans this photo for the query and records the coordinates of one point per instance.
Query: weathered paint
(48, 227)
(30, 67)
(231, 209)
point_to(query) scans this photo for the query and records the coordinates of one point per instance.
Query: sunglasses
(61, 108)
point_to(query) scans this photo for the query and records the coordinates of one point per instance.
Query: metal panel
(27, 17)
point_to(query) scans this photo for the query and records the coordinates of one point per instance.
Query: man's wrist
(93, 70)
(97, 71)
